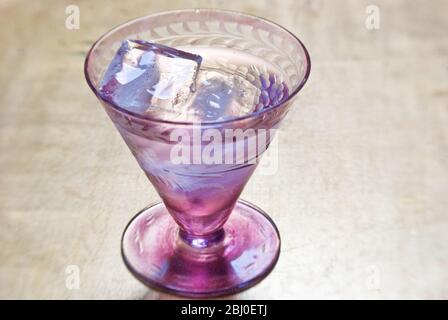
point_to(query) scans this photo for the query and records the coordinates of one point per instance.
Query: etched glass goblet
(201, 240)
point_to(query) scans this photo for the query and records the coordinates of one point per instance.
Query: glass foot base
(156, 255)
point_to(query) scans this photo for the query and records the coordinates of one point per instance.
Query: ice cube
(221, 95)
(144, 77)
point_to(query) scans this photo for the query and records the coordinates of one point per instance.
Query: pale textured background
(361, 193)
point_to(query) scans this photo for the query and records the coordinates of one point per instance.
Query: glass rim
(254, 115)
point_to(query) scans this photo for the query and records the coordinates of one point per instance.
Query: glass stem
(202, 241)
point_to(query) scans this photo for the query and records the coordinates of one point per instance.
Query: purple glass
(202, 241)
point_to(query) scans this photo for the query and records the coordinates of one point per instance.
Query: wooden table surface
(360, 195)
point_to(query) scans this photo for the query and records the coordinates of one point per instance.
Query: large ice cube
(146, 77)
